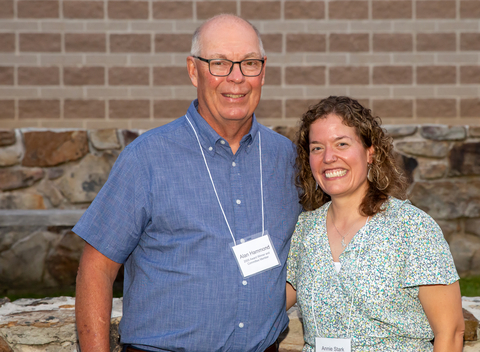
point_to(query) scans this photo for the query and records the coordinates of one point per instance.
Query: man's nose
(236, 75)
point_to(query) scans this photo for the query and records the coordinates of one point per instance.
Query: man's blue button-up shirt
(158, 214)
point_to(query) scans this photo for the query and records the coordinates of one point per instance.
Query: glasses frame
(231, 67)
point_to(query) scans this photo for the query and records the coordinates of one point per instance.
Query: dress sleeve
(428, 260)
(117, 217)
(293, 255)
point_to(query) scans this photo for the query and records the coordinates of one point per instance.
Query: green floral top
(383, 266)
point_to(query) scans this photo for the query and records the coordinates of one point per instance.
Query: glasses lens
(251, 67)
(220, 67)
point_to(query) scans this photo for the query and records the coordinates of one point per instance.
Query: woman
(370, 271)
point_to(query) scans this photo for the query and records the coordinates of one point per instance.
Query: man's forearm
(93, 305)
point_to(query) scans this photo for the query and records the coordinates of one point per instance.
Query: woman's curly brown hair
(387, 179)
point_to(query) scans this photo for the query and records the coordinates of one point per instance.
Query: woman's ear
(371, 154)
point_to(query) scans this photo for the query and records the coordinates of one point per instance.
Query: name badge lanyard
(213, 184)
(343, 344)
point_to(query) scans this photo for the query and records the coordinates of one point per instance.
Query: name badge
(333, 345)
(255, 255)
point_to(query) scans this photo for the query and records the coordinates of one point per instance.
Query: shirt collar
(209, 137)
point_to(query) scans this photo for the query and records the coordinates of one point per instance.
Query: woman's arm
(291, 296)
(443, 306)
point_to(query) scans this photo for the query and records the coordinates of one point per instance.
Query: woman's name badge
(333, 345)
(255, 254)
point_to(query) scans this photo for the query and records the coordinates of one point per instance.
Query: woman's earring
(316, 186)
(369, 173)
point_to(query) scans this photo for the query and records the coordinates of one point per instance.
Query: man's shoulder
(171, 131)
(275, 137)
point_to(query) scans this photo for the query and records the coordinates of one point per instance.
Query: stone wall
(48, 178)
(107, 63)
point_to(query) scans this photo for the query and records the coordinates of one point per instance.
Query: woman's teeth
(336, 173)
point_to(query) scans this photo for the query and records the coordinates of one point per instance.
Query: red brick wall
(103, 63)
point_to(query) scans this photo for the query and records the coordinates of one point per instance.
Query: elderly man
(200, 211)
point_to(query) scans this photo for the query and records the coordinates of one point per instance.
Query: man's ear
(264, 68)
(192, 70)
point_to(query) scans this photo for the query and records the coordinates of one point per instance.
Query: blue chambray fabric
(158, 215)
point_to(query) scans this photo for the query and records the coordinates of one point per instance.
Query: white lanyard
(213, 184)
(351, 303)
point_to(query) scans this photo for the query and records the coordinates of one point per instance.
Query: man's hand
(93, 306)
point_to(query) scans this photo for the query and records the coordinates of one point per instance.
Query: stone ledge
(53, 217)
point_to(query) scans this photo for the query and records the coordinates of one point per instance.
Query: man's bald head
(221, 19)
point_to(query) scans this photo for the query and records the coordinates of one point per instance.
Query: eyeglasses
(223, 67)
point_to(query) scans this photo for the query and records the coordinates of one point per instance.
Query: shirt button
(244, 282)
(222, 141)
(233, 164)
(210, 148)
(239, 201)
(241, 325)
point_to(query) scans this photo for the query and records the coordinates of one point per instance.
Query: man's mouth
(234, 96)
(335, 173)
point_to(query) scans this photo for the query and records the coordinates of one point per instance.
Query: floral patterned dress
(383, 266)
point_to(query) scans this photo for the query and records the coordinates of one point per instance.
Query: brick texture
(470, 9)
(6, 8)
(6, 76)
(391, 10)
(83, 9)
(436, 42)
(260, 10)
(179, 43)
(269, 109)
(84, 109)
(85, 42)
(340, 42)
(272, 42)
(165, 76)
(400, 42)
(207, 9)
(7, 109)
(306, 42)
(123, 10)
(436, 9)
(436, 75)
(7, 42)
(470, 107)
(38, 76)
(297, 107)
(41, 42)
(436, 108)
(393, 108)
(165, 10)
(348, 75)
(305, 75)
(470, 41)
(304, 10)
(34, 108)
(128, 76)
(128, 43)
(348, 10)
(38, 9)
(273, 75)
(170, 108)
(128, 109)
(470, 75)
(79, 76)
(392, 75)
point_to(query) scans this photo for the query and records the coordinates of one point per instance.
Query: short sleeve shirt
(159, 215)
(383, 266)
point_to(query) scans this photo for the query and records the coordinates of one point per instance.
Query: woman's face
(338, 158)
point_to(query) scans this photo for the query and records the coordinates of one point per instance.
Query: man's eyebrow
(252, 55)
